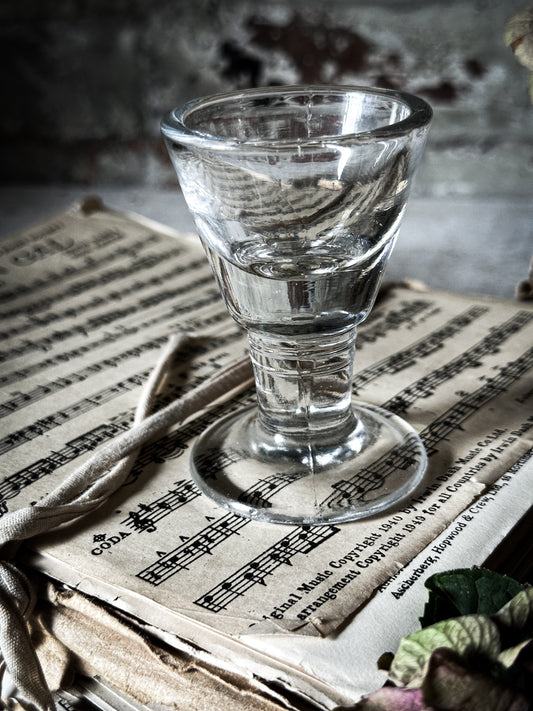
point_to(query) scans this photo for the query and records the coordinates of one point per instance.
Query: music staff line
(78, 408)
(13, 484)
(169, 446)
(373, 476)
(120, 294)
(203, 543)
(24, 399)
(71, 271)
(471, 358)
(472, 402)
(420, 349)
(437, 431)
(176, 443)
(301, 539)
(123, 331)
(379, 326)
(206, 540)
(96, 283)
(95, 322)
(145, 518)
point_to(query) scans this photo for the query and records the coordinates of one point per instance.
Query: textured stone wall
(85, 82)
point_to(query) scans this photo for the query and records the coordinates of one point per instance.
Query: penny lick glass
(298, 194)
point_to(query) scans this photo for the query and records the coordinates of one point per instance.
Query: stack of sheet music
(163, 599)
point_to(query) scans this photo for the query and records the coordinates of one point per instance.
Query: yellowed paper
(88, 300)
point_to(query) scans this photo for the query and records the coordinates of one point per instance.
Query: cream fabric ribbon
(80, 493)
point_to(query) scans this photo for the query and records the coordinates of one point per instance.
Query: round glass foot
(279, 479)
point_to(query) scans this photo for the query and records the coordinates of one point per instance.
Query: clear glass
(298, 194)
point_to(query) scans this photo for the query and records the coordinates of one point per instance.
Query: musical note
(437, 431)
(213, 535)
(379, 326)
(203, 543)
(158, 509)
(401, 360)
(302, 540)
(76, 409)
(471, 358)
(13, 484)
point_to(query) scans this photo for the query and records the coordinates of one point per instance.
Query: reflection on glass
(298, 194)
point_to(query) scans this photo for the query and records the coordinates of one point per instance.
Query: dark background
(84, 83)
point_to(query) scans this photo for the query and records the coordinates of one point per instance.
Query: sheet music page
(91, 296)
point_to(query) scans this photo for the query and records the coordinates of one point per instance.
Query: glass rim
(174, 126)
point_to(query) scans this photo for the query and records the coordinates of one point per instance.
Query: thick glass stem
(304, 384)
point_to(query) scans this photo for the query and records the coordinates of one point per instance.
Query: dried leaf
(469, 636)
(517, 614)
(509, 656)
(390, 698)
(451, 686)
(518, 35)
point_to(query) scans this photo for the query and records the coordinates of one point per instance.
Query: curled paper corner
(323, 626)
(524, 289)
(285, 626)
(312, 626)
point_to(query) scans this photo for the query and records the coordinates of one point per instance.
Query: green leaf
(470, 636)
(466, 591)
